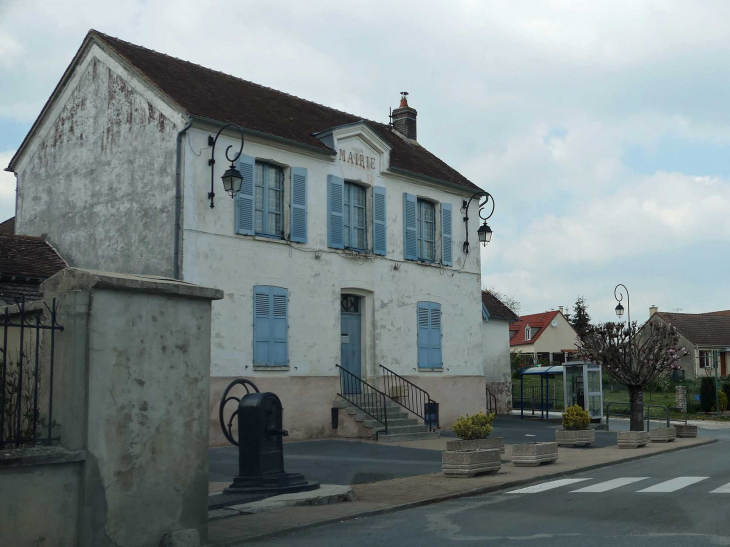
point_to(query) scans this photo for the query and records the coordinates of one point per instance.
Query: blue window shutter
(435, 337)
(299, 205)
(279, 354)
(335, 205)
(446, 248)
(380, 234)
(245, 197)
(409, 227)
(424, 328)
(261, 325)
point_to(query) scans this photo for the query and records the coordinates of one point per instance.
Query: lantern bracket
(211, 162)
(484, 206)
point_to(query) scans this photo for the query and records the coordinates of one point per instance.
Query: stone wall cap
(71, 279)
(42, 455)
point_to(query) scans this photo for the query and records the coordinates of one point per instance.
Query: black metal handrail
(364, 396)
(491, 408)
(399, 389)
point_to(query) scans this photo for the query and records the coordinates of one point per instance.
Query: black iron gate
(26, 385)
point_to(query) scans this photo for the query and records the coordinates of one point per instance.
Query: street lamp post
(620, 312)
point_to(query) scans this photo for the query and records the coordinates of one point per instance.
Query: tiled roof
(702, 329)
(497, 309)
(28, 257)
(8, 227)
(536, 321)
(14, 292)
(210, 94)
(723, 312)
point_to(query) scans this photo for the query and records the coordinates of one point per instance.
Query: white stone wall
(496, 351)
(316, 275)
(98, 179)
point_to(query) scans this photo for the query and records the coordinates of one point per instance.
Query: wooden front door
(723, 370)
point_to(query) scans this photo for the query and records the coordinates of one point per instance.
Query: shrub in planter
(470, 428)
(575, 418)
(474, 454)
(576, 432)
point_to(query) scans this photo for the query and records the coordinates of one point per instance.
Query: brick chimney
(404, 118)
(652, 310)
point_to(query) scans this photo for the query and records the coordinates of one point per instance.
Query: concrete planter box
(581, 437)
(466, 464)
(632, 439)
(663, 434)
(477, 444)
(533, 454)
(686, 431)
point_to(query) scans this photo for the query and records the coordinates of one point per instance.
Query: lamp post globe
(619, 310)
(485, 234)
(232, 181)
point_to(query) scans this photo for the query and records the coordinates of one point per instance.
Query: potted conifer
(575, 430)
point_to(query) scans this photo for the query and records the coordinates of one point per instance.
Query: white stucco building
(343, 247)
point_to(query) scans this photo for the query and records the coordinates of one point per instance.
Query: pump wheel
(250, 387)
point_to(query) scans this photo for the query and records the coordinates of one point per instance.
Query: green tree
(580, 318)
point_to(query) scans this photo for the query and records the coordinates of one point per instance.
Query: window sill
(268, 368)
(423, 369)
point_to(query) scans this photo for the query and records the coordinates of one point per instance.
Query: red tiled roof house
(545, 337)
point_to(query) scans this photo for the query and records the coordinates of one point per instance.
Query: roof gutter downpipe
(176, 266)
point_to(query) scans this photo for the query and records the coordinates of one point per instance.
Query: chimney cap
(403, 99)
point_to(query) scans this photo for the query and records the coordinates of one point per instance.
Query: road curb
(452, 496)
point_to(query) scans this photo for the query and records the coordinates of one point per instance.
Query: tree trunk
(636, 401)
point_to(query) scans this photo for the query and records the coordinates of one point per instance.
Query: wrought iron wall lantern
(619, 297)
(232, 178)
(484, 232)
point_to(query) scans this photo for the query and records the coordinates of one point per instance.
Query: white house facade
(343, 247)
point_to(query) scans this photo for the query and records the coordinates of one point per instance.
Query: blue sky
(601, 128)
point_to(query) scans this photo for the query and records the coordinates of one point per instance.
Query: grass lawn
(613, 393)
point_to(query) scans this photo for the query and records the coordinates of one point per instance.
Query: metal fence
(26, 384)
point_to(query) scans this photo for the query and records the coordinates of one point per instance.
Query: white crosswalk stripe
(546, 486)
(722, 490)
(664, 487)
(673, 485)
(610, 485)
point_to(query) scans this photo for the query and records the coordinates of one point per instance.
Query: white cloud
(536, 101)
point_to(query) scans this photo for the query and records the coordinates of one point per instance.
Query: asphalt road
(678, 509)
(338, 462)
(351, 462)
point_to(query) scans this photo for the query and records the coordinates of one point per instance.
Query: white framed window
(269, 200)
(355, 217)
(426, 230)
(528, 333)
(706, 359)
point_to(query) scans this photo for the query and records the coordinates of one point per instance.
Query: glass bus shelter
(582, 385)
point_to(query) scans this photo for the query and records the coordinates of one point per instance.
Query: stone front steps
(401, 425)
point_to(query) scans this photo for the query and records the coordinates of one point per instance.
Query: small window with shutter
(270, 326)
(429, 335)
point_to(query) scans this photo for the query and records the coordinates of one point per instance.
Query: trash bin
(431, 412)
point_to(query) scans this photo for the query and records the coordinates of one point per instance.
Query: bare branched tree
(634, 357)
(507, 300)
